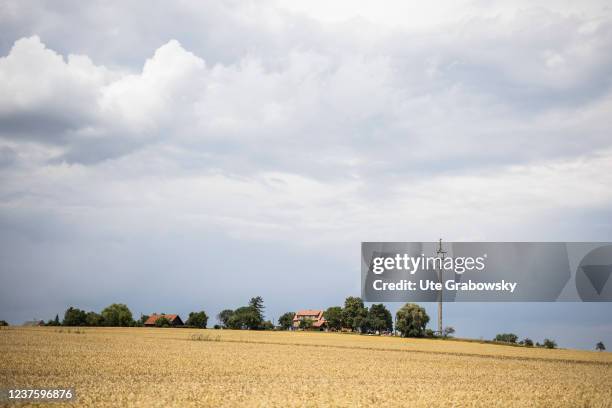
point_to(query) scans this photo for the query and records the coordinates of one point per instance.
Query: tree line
(410, 320)
(354, 316)
(118, 315)
(511, 338)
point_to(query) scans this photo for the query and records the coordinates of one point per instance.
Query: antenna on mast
(441, 254)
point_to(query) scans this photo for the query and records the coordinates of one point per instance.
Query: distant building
(316, 316)
(175, 320)
(34, 323)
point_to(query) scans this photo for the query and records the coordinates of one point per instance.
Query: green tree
(306, 323)
(360, 323)
(224, 317)
(94, 319)
(600, 346)
(412, 320)
(506, 338)
(234, 322)
(3, 323)
(197, 319)
(379, 318)
(245, 317)
(527, 342)
(550, 344)
(286, 320)
(54, 322)
(267, 325)
(74, 317)
(162, 322)
(257, 304)
(354, 313)
(143, 318)
(333, 315)
(117, 314)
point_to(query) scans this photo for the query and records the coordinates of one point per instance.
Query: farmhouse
(175, 320)
(315, 316)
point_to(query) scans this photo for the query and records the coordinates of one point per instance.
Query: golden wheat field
(147, 367)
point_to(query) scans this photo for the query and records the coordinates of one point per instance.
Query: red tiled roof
(317, 316)
(309, 312)
(153, 318)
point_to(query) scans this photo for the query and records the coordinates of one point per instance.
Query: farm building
(174, 319)
(316, 316)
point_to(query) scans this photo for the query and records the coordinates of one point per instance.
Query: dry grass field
(143, 367)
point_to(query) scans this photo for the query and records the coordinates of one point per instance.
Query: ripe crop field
(145, 367)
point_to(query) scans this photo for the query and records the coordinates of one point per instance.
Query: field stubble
(142, 367)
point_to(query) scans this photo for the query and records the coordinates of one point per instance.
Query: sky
(190, 155)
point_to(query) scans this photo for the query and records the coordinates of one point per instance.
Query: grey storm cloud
(230, 142)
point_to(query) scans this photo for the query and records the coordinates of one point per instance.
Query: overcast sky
(190, 155)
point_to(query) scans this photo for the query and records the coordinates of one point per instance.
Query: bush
(3, 323)
(448, 331)
(550, 344)
(527, 342)
(506, 338)
(216, 327)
